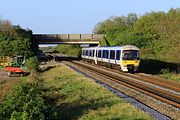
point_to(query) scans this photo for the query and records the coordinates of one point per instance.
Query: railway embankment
(77, 97)
(70, 95)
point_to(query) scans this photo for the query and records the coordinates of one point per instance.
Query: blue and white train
(125, 58)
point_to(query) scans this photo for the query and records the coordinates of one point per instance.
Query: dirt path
(6, 83)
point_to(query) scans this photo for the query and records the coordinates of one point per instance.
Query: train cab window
(118, 54)
(112, 54)
(105, 54)
(99, 53)
(130, 54)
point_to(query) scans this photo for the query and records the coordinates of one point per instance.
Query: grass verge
(77, 97)
(171, 76)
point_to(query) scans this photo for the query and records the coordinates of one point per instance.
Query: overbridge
(91, 39)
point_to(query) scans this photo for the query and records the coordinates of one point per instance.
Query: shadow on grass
(151, 66)
(74, 110)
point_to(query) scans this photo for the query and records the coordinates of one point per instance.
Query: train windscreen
(131, 55)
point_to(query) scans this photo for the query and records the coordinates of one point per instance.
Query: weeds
(76, 97)
(26, 102)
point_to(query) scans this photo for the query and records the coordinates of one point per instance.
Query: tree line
(157, 34)
(15, 40)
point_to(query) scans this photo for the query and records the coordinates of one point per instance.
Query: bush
(26, 102)
(32, 63)
(72, 50)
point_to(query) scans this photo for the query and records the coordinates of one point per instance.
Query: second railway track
(162, 100)
(162, 95)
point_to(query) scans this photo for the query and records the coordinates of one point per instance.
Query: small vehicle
(13, 65)
(124, 58)
(15, 71)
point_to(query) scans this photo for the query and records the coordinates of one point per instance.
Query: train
(123, 58)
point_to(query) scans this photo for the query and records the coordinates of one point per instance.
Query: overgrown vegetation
(65, 95)
(32, 63)
(72, 50)
(76, 97)
(16, 41)
(26, 102)
(157, 34)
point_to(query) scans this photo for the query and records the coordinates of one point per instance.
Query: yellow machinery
(5, 61)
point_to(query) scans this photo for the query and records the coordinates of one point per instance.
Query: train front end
(130, 60)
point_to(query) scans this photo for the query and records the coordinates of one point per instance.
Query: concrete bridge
(92, 39)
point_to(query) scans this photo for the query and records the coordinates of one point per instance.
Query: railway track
(160, 94)
(134, 82)
(171, 85)
(150, 91)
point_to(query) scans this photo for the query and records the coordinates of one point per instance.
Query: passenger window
(118, 54)
(90, 53)
(99, 53)
(112, 54)
(105, 54)
(93, 53)
(86, 52)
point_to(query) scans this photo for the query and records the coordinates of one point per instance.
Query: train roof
(124, 47)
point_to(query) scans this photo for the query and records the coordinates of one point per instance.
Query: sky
(74, 16)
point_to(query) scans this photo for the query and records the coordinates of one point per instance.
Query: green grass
(76, 97)
(1, 67)
(171, 76)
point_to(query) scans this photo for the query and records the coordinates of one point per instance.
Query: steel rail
(157, 81)
(157, 93)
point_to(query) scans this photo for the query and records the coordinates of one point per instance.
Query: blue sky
(74, 16)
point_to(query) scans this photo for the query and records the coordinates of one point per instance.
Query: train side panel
(125, 58)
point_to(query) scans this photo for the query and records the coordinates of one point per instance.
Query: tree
(16, 41)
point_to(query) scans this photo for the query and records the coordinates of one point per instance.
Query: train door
(95, 56)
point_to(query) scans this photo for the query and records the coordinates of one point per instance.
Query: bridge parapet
(69, 36)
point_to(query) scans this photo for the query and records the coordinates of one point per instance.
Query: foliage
(16, 41)
(77, 97)
(167, 75)
(73, 50)
(26, 102)
(32, 63)
(157, 34)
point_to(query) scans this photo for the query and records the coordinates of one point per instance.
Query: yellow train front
(130, 59)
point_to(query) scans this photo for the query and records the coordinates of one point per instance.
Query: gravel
(160, 110)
